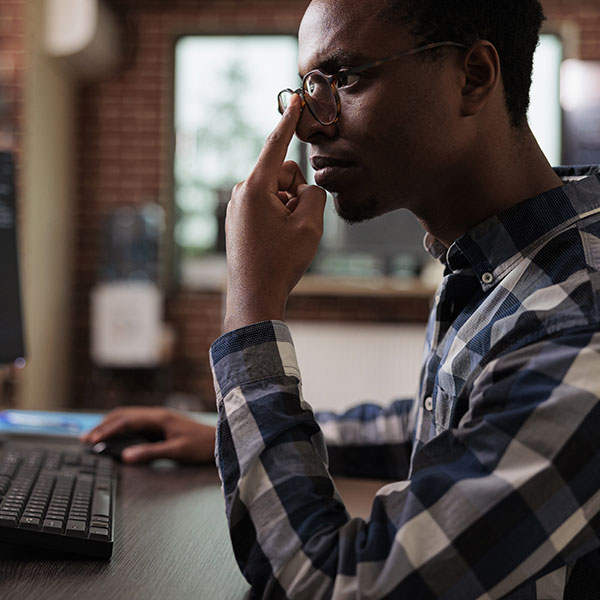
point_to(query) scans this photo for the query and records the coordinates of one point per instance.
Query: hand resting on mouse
(184, 439)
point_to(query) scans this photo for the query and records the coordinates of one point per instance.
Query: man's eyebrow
(338, 59)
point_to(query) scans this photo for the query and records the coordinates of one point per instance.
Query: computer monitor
(12, 347)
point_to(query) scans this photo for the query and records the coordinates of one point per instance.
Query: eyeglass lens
(284, 99)
(318, 94)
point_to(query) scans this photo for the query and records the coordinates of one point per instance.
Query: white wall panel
(343, 364)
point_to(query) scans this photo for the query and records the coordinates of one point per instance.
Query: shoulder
(555, 287)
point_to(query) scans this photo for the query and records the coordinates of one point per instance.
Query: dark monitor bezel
(12, 345)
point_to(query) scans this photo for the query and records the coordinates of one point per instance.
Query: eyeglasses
(320, 91)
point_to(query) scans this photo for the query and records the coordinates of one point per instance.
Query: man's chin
(354, 210)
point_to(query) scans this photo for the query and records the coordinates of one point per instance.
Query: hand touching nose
(273, 227)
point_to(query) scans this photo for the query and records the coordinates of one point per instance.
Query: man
(497, 461)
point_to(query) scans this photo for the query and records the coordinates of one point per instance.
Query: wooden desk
(172, 542)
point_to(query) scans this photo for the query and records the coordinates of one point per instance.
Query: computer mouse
(114, 445)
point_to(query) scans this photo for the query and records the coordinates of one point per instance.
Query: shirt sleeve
(507, 497)
(369, 440)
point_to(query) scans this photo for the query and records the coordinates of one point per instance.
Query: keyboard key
(101, 519)
(99, 533)
(89, 461)
(53, 525)
(54, 516)
(8, 520)
(76, 528)
(101, 503)
(71, 459)
(74, 516)
(59, 500)
(30, 523)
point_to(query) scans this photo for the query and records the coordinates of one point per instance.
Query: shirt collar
(492, 247)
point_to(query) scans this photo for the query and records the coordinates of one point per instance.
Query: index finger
(122, 421)
(274, 151)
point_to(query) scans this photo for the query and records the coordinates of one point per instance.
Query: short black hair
(512, 26)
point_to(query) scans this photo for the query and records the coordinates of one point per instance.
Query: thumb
(311, 202)
(147, 452)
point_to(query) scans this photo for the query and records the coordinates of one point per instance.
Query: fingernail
(294, 101)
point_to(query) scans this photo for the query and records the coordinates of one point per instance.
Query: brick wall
(584, 16)
(125, 150)
(12, 73)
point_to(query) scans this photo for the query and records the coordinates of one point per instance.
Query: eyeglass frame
(334, 79)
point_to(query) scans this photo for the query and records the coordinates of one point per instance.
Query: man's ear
(482, 76)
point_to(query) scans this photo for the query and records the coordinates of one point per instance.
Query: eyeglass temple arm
(418, 50)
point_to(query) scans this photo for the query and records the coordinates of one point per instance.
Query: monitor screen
(11, 329)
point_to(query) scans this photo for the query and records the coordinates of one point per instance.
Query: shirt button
(429, 403)
(487, 278)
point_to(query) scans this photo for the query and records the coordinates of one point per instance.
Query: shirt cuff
(256, 352)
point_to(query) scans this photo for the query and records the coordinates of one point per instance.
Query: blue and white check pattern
(496, 462)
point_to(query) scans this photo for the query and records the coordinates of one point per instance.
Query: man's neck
(494, 178)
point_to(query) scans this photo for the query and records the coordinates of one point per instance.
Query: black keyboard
(58, 497)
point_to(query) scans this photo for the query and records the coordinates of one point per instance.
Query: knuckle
(274, 138)
(165, 416)
(238, 188)
(118, 420)
(252, 185)
(242, 190)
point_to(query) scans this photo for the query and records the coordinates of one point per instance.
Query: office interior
(121, 237)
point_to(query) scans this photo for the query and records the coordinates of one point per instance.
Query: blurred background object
(580, 99)
(85, 35)
(131, 345)
(12, 346)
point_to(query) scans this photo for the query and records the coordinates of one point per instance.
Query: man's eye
(345, 79)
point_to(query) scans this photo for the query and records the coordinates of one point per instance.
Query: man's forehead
(339, 32)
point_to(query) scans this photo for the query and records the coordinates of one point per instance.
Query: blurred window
(545, 117)
(225, 106)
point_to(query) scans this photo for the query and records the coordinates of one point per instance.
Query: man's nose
(308, 127)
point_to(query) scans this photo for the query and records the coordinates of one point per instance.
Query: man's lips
(330, 171)
(323, 162)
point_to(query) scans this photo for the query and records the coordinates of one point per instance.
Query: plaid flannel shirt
(496, 462)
